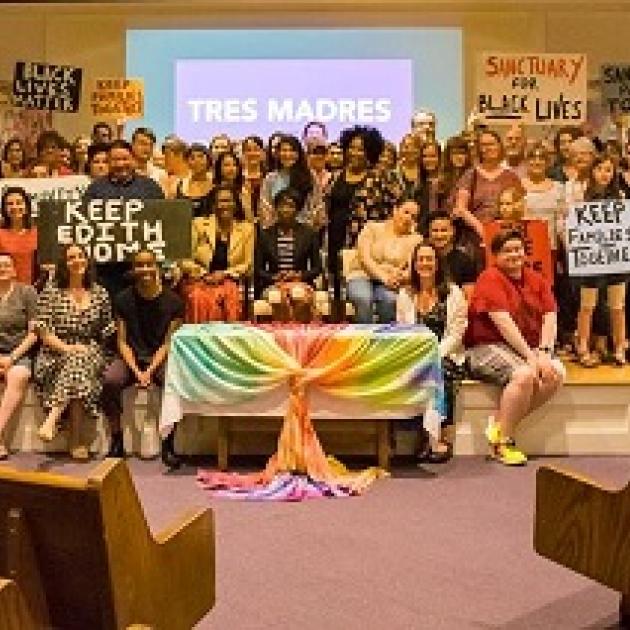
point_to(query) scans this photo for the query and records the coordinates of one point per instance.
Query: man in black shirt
(458, 266)
(147, 314)
(121, 183)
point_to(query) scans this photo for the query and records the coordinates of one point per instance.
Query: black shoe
(423, 449)
(169, 457)
(440, 457)
(116, 446)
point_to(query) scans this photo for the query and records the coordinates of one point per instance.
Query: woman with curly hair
(357, 195)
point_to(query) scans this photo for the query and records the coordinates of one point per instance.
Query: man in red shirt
(511, 336)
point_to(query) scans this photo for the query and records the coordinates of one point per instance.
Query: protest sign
(535, 234)
(535, 89)
(598, 238)
(47, 86)
(615, 87)
(111, 230)
(68, 188)
(118, 98)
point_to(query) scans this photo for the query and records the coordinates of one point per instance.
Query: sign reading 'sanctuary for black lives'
(598, 238)
(615, 88)
(111, 230)
(47, 86)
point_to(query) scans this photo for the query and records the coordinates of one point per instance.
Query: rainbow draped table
(349, 371)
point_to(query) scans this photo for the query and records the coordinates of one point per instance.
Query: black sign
(112, 230)
(46, 86)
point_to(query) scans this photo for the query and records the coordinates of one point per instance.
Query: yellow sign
(118, 98)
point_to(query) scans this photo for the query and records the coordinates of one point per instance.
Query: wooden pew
(82, 555)
(586, 528)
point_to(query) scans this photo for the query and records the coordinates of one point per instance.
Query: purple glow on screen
(259, 96)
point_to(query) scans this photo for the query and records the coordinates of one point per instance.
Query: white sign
(68, 188)
(533, 88)
(598, 238)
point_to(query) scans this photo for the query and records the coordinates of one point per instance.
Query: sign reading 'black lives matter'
(47, 86)
(111, 230)
(598, 238)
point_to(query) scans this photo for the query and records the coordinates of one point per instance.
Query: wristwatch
(546, 349)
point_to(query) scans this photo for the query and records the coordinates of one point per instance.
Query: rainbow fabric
(225, 364)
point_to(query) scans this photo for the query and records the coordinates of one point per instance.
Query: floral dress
(62, 377)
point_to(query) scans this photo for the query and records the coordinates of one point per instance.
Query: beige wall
(93, 37)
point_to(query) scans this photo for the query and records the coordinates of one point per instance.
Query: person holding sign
(17, 236)
(223, 252)
(478, 192)
(18, 306)
(602, 185)
(147, 315)
(511, 337)
(511, 217)
(123, 183)
(75, 324)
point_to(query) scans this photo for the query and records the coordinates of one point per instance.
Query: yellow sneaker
(509, 455)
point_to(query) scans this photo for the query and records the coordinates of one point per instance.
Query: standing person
(79, 155)
(102, 133)
(514, 144)
(218, 145)
(123, 183)
(176, 165)
(423, 125)
(197, 186)
(478, 193)
(13, 159)
(511, 336)
(98, 161)
(440, 305)
(432, 190)
(228, 170)
(409, 167)
(602, 185)
(142, 145)
(334, 158)
(49, 160)
(294, 173)
(17, 236)
(75, 323)
(562, 169)
(457, 160)
(223, 251)
(18, 306)
(383, 254)
(388, 159)
(544, 197)
(253, 150)
(147, 315)
(458, 267)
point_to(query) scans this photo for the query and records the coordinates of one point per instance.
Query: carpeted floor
(444, 547)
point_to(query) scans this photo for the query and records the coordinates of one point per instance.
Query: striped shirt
(286, 246)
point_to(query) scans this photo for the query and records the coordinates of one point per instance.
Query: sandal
(440, 457)
(619, 358)
(589, 359)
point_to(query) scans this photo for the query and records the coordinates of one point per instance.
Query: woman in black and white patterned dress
(75, 320)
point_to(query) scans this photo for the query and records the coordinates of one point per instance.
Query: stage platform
(590, 416)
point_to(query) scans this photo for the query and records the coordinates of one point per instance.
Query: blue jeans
(364, 293)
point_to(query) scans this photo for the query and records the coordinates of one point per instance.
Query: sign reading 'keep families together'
(598, 238)
(535, 89)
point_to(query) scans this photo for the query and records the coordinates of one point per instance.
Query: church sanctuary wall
(92, 36)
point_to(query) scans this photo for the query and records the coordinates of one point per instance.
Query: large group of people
(415, 233)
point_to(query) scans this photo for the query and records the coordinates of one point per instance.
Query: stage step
(589, 416)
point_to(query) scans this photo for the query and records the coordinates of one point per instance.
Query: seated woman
(441, 306)
(511, 336)
(223, 251)
(17, 236)
(74, 321)
(384, 250)
(18, 306)
(288, 260)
